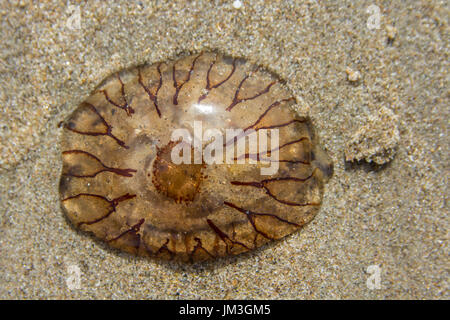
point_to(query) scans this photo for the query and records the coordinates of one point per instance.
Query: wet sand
(393, 216)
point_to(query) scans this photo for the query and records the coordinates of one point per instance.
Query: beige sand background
(394, 216)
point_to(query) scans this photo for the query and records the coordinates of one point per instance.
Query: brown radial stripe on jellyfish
(124, 182)
(125, 106)
(92, 123)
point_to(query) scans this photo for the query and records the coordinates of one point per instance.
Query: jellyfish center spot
(180, 182)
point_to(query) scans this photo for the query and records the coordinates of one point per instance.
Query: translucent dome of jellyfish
(191, 159)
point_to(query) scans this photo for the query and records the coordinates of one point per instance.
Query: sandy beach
(373, 77)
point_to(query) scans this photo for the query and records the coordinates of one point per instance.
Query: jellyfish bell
(152, 167)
